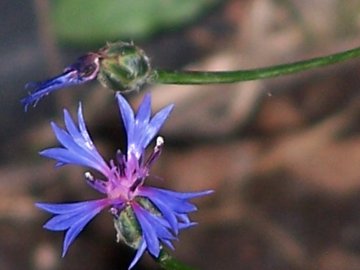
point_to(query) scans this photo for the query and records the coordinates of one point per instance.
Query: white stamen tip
(89, 176)
(159, 141)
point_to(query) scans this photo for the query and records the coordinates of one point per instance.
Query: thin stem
(212, 77)
(168, 262)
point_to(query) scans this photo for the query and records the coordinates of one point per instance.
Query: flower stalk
(167, 262)
(219, 77)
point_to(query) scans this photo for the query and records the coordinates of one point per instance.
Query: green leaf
(91, 22)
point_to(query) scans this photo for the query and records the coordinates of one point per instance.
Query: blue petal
(78, 146)
(149, 233)
(65, 156)
(169, 244)
(159, 224)
(127, 113)
(141, 130)
(186, 225)
(61, 222)
(182, 195)
(155, 124)
(139, 253)
(180, 206)
(62, 208)
(81, 136)
(135, 136)
(183, 218)
(175, 200)
(71, 127)
(167, 213)
(144, 132)
(76, 228)
(144, 112)
(70, 208)
(83, 130)
(72, 217)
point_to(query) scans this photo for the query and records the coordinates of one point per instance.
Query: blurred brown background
(282, 154)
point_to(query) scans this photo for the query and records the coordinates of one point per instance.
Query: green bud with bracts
(123, 67)
(128, 229)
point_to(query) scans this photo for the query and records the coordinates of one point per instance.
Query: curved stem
(212, 77)
(168, 262)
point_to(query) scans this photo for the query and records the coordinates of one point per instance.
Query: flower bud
(127, 228)
(126, 224)
(123, 67)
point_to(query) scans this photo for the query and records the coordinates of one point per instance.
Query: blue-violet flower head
(145, 217)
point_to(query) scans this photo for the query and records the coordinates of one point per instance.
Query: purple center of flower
(126, 174)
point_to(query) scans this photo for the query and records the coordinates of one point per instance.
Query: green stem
(209, 77)
(168, 262)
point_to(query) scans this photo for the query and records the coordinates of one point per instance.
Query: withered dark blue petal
(44, 88)
(84, 69)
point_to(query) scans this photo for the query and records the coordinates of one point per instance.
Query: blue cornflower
(146, 218)
(86, 68)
